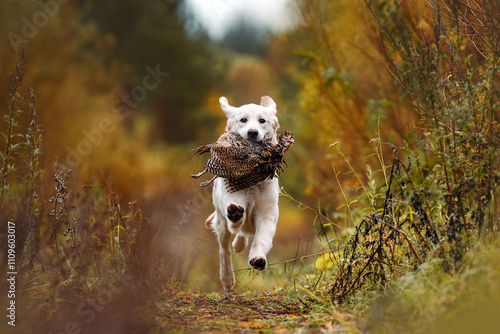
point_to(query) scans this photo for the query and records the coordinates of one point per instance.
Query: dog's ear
(275, 124)
(226, 108)
(268, 102)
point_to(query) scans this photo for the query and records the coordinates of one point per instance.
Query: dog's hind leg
(226, 266)
(209, 221)
(240, 242)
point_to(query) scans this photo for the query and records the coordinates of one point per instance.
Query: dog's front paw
(235, 212)
(258, 263)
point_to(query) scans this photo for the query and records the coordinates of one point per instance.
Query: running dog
(252, 211)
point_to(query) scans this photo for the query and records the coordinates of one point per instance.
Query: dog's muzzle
(252, 135)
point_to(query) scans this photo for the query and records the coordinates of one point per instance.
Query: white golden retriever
(252, 211)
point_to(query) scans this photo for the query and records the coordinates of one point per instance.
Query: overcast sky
(216, 16)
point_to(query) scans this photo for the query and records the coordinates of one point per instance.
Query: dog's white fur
(259, 202)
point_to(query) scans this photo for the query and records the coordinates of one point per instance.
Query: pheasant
(243, 163)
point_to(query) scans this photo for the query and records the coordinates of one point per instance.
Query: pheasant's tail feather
(200, 150)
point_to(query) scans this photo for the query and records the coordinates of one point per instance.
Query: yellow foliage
(348, 95)
(324, 261)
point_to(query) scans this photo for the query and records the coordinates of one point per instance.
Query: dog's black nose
(252, 134)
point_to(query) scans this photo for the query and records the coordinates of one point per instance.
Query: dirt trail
(266, 312)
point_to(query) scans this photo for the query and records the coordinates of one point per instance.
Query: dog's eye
(262, 121)
(243, 120)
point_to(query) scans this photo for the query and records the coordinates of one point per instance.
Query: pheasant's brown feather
(244, 163)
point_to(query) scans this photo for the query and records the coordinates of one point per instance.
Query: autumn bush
(74, 239)
(346, 96)
(426, 199)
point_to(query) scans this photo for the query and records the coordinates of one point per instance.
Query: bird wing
(246, 181)
(230, 161)
(243, 163)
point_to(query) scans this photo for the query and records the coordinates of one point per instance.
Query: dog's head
(251, 121)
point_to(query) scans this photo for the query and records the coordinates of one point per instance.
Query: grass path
(214, 313)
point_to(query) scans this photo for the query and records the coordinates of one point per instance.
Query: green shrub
(440, 200)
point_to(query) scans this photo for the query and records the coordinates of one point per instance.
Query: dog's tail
(209, 221)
